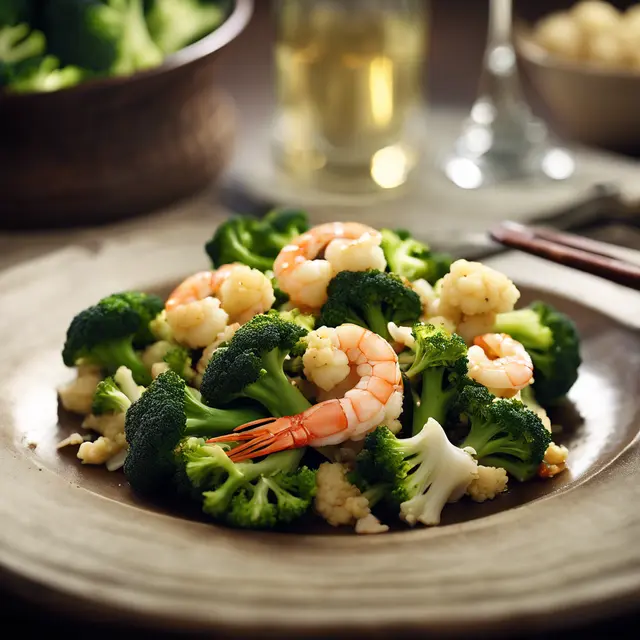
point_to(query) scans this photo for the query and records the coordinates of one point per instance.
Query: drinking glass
(501, 139)
(349, 91)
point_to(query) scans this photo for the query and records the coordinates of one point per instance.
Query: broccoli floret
(551, 338)
(19, 42)
(440, 360)
(305, 320)
(370, 299)
(105, 36)
(41, 74)
(251, 365)
(422, 473)
(107, 333)
(109, 398)
(411, 258)
(503, 433)
(255, 242)
(165, 414)
(179, 360)
(174, 24)
(252, 495)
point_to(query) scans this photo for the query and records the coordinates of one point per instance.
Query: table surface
(458, 32)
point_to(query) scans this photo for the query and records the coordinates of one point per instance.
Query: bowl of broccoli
(109, 108)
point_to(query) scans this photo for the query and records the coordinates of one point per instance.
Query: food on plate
(47, 46)
(334, 369)
(593, 32)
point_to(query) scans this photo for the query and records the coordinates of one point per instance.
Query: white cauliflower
(71, 440)
(223, 336)
(196, 324)
(324, 363)
(158, 368)
(111, 441)
(341, 503)
(442, 475)
(77, 396)
(245, 293)
(441, 321)
(471, 326)
(428, 296)
(488, 483)
(472, 288)
(160, 328)
(402, 335)
(155, 353)
(124, 379)
(355, 255)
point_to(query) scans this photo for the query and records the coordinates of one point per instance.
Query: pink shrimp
(376, 399)
(305, 278)
(199, 286)
(500, 363)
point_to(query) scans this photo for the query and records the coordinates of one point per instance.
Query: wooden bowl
(119, 146)
(590, 104)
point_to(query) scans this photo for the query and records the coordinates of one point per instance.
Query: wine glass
(501, 139)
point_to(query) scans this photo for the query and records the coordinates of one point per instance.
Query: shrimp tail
(273, 435)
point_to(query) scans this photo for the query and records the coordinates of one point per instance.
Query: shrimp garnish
(376, 399)
(304, 277)
(500, 363)
(199, 286)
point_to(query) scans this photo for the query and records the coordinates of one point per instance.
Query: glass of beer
(349, 78)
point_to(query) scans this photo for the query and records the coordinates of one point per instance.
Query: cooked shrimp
(304, 277)
(199, 286)
(500, 363)
(376, 399)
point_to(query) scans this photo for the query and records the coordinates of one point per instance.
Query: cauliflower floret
(196, 324)
(471, 326)
(324, 363)
(71, 440)
(245, 293)
(223, 336)
(472, 288)
(554, 462)
(111, 441)
(428, 296)
(155, 353)
(160, 328)
(488, 483)
(77, 396)
(355, 255)
(402, 335)
(158, 368)
(341, 503)
(441, 321)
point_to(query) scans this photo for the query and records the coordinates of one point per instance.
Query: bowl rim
(230, 29)
(536, 54)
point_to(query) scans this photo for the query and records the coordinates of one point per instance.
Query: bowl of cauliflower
(585, 64)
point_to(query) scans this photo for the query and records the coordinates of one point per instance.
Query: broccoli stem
(275, 391)
(204, 421)
(376, 493)
(112, 355)
(521, 471)
(433, 399)
(478, 438)
(377, 321)
(525, 326)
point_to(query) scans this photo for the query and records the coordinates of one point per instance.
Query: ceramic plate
(75, 536)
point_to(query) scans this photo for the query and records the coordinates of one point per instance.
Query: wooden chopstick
(569, 250)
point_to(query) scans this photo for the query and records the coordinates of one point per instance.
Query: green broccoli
(104, 36)
(116, 393)
(411, 258)
(107, 333)
(370, 299)
(419, 474)
(165, 414)
(40, 74)
(19, 43)
(255, 242)
(180, 360)
(504, 433)
(305, 320)
(552, 340)
(251, 365)
(253, 495)
(174, 24)
(440, 359)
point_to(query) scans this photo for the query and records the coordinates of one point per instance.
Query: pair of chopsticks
(591, 256)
